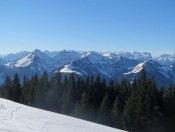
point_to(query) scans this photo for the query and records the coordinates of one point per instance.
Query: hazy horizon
(153, 55)
(85, 25)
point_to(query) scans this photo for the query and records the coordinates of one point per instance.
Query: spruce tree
(24, 91)
(117, 111)
(169, 108)
(55, 93)
(41, 98)
(7, 88)
(16, 89)
(33, 90)
(83, 109)
(104, 111)
(69, 97)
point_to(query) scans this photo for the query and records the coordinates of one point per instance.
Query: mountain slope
(15, 117)
(2, 62)
(36, 60)
(166, 59)
(135, 55)
(164, 75)
(15, 56)
(109, 66)
(65, 57)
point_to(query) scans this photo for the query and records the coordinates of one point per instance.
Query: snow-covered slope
(35, 62)
(15, 117)
(164, 75)
(137, 68)
(33, 58)
(25, 61)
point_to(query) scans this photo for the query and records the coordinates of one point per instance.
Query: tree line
(134, 106)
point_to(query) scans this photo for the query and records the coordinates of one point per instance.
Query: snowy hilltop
(15, 117)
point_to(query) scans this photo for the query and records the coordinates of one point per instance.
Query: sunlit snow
(15, 117)
(137, 69)
(27, 60)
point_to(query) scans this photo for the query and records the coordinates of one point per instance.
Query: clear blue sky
(101, 25)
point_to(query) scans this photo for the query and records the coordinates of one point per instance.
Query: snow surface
(25, 61)
(137, 69)
(10, 65)
(68, 69)
(16, 117)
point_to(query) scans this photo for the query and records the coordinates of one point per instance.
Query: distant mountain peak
(166, 59)
(38, 52)
(135, 55)
(94, 56)
(112, 56)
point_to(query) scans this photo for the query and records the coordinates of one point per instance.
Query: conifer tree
(104, 111)
(98, 93)
(169, 108)
(83, 109)
(69, 94)
(117, 111)
(7, 88)
(33, 90)
(16, 90)
(24, 91)
(130, 113)
(55, 93)
(42, 91)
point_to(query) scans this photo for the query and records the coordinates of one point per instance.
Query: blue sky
(101, 25)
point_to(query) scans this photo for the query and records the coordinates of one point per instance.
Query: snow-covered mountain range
(110, 65)
(16, 117)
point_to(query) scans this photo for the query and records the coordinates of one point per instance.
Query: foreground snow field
(15, 117)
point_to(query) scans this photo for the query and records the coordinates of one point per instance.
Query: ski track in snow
(13, 112)
(16, 117)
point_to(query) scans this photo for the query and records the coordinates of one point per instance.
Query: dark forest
(134, 106)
